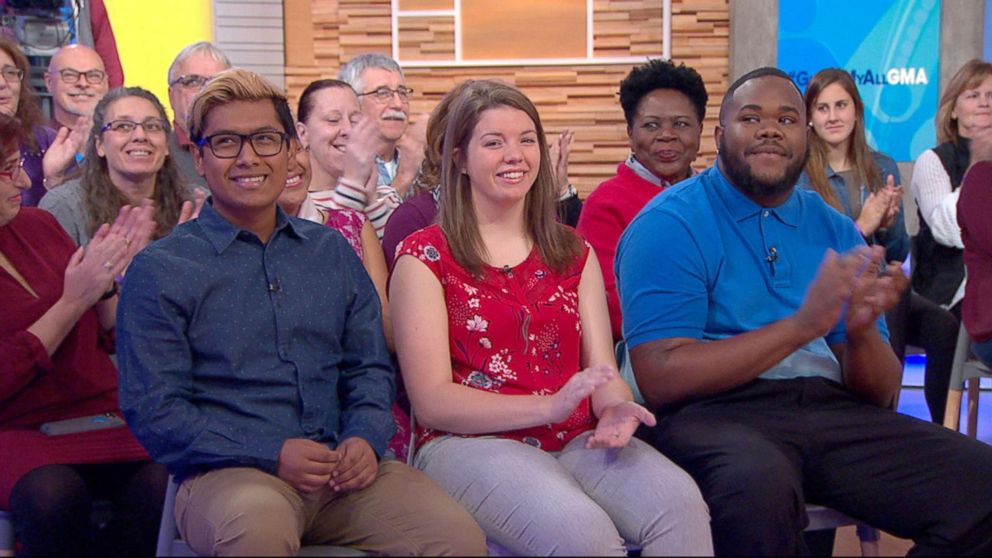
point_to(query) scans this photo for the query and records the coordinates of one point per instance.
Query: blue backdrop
(891, 49)
(988, 30)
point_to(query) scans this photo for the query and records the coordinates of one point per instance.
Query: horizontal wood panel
(578, 98)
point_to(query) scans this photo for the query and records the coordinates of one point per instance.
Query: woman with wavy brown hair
(48, 155)
(128, 161)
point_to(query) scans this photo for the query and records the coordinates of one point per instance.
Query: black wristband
(111, 293)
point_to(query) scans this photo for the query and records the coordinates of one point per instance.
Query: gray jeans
(575, 502)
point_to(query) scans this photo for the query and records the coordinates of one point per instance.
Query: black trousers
(51, 508)
(923, 323)
(761, 451)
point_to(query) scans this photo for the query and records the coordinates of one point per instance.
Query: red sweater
(605, 215)
(975, 220)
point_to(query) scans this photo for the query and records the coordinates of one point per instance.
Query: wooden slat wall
(578, 98)
(250, 32)
(626, 28)
(427, 38)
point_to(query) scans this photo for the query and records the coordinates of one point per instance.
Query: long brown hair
(28, 109)
(558, 246)
(430, 170)
(859, 155)
(970, 76)
(102, 200)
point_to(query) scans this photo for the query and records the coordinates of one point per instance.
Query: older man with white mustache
(384, 97)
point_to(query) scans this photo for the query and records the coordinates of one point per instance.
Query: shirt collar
(388, 168)
(643, 172)
(221, 233)
(741, 207)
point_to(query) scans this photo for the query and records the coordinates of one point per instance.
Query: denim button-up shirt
(228, 347)
(895, 239)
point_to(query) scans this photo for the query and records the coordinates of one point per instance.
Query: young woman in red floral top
(504, 342)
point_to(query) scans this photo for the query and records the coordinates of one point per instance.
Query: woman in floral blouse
(504, 342)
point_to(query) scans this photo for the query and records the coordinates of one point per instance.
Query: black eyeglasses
(384, 94)
(150, 126)
(228, 146)
(11, 74)
(93, 77)
(191, 81)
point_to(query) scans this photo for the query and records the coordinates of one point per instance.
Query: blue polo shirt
(703, 261)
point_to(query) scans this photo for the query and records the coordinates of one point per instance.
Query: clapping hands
(364, 144)
(880, 207)
(859, 280)
(63, 149)
(92, 270)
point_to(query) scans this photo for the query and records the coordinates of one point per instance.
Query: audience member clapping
(384, 98)
(127, 162)
(295, 200)
(48, 155)
(865, 185)
(64, 443)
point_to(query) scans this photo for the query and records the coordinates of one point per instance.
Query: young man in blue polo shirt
(759, 343)
(253, 363)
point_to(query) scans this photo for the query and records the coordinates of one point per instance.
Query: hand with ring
(91, 270)
(135, 225)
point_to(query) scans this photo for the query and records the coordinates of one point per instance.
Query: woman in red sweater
(664, 106)
(56, 331)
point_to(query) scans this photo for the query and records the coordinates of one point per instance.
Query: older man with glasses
(384, 97)
(189, 72)
(77, 80)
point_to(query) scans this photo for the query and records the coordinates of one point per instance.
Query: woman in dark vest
(965, 107)
(938, 267)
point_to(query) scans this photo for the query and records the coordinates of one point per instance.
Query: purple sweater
(43, 136)
(411, 216)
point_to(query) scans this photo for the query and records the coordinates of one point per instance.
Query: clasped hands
(309, 466)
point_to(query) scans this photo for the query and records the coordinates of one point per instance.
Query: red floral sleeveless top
(516, 331)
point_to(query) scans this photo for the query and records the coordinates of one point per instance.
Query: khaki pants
(245, 511)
